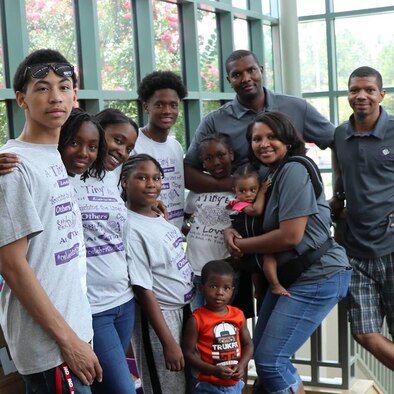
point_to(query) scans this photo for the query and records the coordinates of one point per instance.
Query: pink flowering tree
(50, 24)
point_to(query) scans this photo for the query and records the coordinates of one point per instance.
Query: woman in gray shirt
(296, 223)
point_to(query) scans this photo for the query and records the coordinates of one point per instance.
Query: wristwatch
(341, 196)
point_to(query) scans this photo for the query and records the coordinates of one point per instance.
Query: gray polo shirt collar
(270, 105)
(380, 128)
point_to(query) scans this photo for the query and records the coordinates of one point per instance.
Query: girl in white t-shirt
(205, 240)
(161, 276)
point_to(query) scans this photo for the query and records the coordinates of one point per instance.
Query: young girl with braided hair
(161, 276)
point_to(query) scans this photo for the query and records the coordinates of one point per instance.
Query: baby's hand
(279, 290)
(265, 185)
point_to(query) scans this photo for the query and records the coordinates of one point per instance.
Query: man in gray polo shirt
(364, 147)
(244, 73)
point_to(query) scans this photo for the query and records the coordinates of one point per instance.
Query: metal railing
(370, 366)
(332, 359)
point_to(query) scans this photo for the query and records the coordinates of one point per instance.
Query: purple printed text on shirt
(168, 169)
(102, 199)
(175, 214)
(177, 242)
(95, 216)
(101, 250)
(63, 182)
(67, 255)
(181, 263)
(188, 296)
(63, 208)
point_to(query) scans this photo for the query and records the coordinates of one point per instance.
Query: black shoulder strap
(313, 171)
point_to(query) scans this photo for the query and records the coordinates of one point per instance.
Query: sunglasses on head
(39, 71)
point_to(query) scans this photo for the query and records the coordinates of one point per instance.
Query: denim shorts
(371, 294)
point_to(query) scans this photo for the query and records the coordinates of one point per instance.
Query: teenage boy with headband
(45, 315)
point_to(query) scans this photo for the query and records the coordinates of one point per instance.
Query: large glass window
(130, 108)
(50, 24)
(351, 5)
(100, 36)
(313, 56)
(2, 82)
(3, 124)
(241, 38)
(116, 44)
(332, 45)
(209, 106)
(365, 41)
(266, 6)
(311, 7)
(208, 48)
(268, 57)
(241, 4)
(167, 40)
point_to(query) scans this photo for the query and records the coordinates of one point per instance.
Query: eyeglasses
(39, 71)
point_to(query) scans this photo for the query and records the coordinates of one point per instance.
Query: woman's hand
(161, 209)
(8, 162)
(230, 235)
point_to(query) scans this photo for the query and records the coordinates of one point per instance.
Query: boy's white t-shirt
(37, 202)
(205, 240)
(170, 156)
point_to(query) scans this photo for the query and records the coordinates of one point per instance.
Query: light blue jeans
(198, 299)
(209, 388)
(112, 334)
(286, 323)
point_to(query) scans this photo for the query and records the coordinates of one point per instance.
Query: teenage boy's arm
(189, 350)
(23, 282)
(172, 351)
(199, 182)
(258, 206)
(246, 352)
(8, 162)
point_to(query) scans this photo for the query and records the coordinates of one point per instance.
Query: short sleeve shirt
(366, 162)
(233, 119)
(38, 202)
(292, 197)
